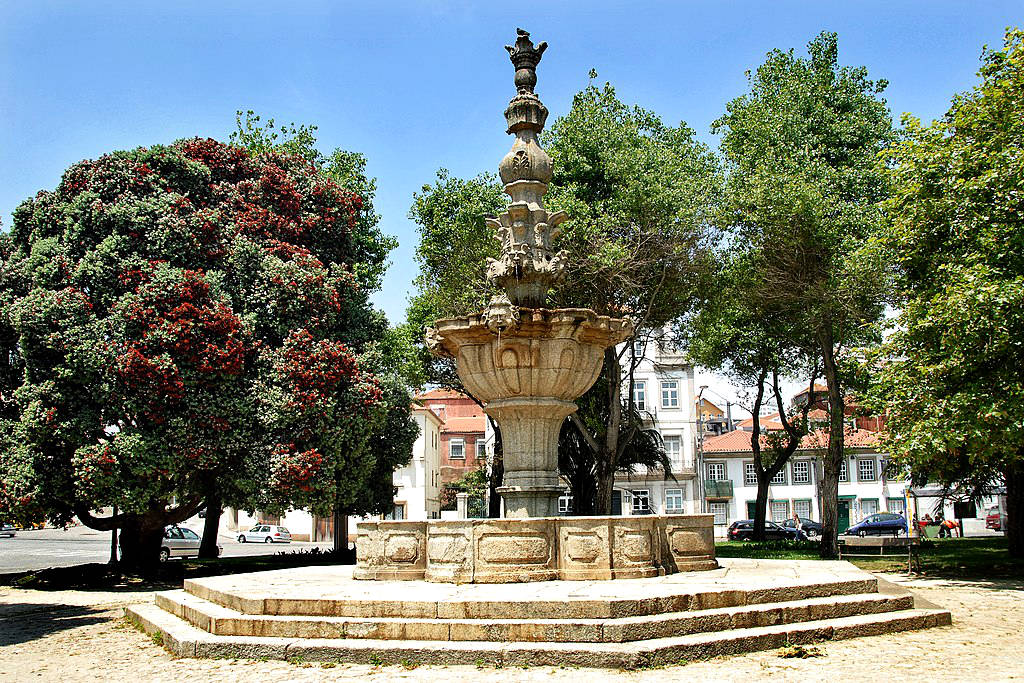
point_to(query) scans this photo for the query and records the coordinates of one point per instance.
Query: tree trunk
(1014, 476)
(497, 473)
(605, 487)
(211, 527)
(761, 506)
(340, 530)
(140, 540)
(833, 459)
(607, 455)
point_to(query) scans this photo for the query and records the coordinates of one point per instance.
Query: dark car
(878, 524)
(809, 526)
(743, 530)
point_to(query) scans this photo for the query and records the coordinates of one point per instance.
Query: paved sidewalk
(79, 636)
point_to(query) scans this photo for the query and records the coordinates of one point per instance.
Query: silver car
(7, 530)
(181, 542)
(265, 533)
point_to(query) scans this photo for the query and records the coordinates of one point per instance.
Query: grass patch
(961, 558)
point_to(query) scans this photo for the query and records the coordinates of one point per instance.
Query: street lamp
(700, 449)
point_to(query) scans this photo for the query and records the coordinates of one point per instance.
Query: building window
(716, 471)
(866, 470)
(673, 500)
(641, 501)
(780, 477)
(780, 511)
(670, 394)
(720, 511)
(565, 504)
(868, 506)
(481, 449)
(844, 471)
(674, 451)
(640, 395)
(802, 508)
(801, 472)
(749, 474)
(896, 505)
(457, 449)
(397, 512)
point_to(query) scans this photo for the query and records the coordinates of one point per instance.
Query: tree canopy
(804, 193)
(187, 320)
(951, 379)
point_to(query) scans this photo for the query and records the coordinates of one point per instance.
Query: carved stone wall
(535, 549)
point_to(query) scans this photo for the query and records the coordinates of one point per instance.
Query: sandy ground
(80, 636)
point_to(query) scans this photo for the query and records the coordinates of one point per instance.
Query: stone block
(688, 542)
(514, 550)
(391, 551)
(635, 547)
(450, 551)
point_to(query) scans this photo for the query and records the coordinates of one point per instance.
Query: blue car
(878, 524)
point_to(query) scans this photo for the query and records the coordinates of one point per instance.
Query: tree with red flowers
(187, 323)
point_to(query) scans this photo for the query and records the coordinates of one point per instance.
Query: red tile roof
(768, 422)
(739, 441)
(465, 425)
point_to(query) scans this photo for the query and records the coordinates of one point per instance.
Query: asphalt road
(42, 548)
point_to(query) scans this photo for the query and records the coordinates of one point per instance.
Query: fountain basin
(528, 365)
(538, 549)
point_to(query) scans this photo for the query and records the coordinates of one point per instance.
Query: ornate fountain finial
(526, 57)
(528, 266)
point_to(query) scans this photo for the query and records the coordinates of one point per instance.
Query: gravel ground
(80, 636)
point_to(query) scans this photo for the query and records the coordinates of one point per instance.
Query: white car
(180, 541)
(7, 530)
(265, 533)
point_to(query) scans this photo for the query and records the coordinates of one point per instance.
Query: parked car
(7, 530)
(994, 519)
(265, 533)
(878, 524)
(809, 526)
(743, 530)
(181, 542)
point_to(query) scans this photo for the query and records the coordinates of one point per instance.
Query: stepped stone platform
(322, 614)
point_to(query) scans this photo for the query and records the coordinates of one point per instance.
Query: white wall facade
(864, 492)
(663, 388)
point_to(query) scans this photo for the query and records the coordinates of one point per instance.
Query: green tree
(392, 355)
(952, 381)
(639, 194)
(738, 331)
(188, 321)
(805, 189)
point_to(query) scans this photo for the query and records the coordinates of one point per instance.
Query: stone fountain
(528, 363)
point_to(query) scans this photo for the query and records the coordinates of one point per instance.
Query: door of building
(751, 508)
(616, 502)
(843, 521)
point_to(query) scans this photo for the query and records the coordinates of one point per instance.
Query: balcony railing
(717, 488)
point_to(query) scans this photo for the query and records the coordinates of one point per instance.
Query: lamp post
(700, 450)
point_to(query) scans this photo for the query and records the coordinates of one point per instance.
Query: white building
(419, 483)
(663, 389)
(730, 482)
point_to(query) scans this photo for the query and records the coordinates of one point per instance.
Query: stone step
(330, 591)
(185, 640)
(220, 620)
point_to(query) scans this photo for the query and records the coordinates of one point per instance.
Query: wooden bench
(882, 546)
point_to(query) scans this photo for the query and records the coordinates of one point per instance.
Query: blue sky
(419, 86)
